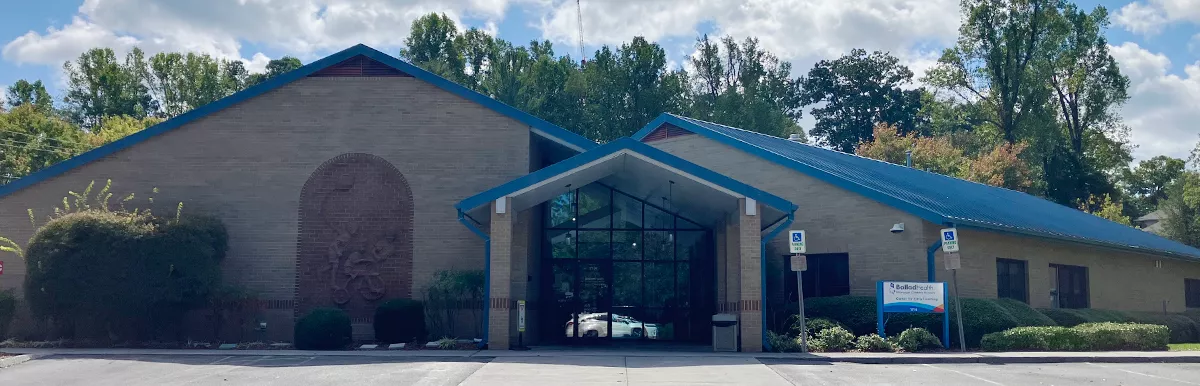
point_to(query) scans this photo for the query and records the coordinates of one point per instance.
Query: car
(595, 325)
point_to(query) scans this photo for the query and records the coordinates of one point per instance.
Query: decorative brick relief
(355, 246)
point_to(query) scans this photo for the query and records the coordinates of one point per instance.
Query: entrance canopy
(644, 172)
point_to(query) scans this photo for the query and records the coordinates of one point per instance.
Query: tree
(744, 86)
(1146, 184)
(1002, 167)
(856, 92)
(1000, 59)
(24, 93)
(275, 67)
(115, 128)
(934, 154)
(98, 86)
(1107, 208)
(181, 82)
(1181, 210)
(432, 44)
(31, 140)
(1087, 82)
(478, 52)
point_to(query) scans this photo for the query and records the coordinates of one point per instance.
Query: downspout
(763, 273)
(929, 259)
(487, 276)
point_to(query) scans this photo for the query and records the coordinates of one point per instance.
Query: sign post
(920, 297)
(798, 247)
(953, 263)
(520, 326)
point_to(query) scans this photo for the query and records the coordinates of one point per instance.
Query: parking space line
(1144, 374)
(964, 374)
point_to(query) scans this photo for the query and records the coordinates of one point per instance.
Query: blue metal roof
(575, 141)
(620, 144)
(934, 197)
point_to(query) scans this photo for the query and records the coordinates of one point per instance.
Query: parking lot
(293, 370)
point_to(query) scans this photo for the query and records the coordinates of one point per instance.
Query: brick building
(358, 177)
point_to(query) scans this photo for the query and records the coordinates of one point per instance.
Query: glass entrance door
(624, 270)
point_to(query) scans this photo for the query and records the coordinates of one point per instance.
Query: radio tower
(579, 15)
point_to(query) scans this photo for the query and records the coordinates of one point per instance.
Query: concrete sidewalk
(863, 358)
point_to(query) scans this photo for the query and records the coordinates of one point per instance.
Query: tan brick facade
(247, 164)
(840, 221)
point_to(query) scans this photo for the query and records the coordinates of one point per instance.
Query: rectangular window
(1191, 293)
(828, 274)
(1068, 286)
(1011, 279)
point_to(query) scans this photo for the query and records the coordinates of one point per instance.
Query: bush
(323, 329)
(400, 321)
(8, 309)
(983, 316)
(832, 339)
(814, 325)
(1184, 328)
(1085, 337)
(96, 274)
(782, 342)
(873, 343)
(917, 339)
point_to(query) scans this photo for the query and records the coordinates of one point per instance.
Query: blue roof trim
(281, 80)
(939, 199)
(607, 149)
(690, 125)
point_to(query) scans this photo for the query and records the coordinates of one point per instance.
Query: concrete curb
(19, 359)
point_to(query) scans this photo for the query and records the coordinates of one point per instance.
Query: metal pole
(803, 321)
(962, 341)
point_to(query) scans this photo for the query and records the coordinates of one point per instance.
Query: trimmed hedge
(323, 329)
(1183, 327)
(916, 340)
(984, 316)
(873, 343)
(1085, 337)
(399, 321)
(8, 309)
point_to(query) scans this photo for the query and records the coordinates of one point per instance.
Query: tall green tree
(98, 85)
(1146, 184)
(31, 140)
(181, 82)
(1088, 84)
(433, 44)
(25, 93)
(1181, 210)
(275, 67)
(742, 85)
(857, 91)
(1000, 60)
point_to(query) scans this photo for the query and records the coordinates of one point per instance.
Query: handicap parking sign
(798, 243)
(950, 240)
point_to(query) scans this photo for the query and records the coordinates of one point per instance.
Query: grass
(1184, 347)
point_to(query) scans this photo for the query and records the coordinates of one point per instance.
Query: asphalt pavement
(292, 370)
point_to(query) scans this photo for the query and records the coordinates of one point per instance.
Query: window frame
(1191, 293)
(815, 262)
(1057, 270)
(1003, 276)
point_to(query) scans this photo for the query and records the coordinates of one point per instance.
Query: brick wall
(247, 164)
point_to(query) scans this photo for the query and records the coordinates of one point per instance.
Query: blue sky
(1157, 42)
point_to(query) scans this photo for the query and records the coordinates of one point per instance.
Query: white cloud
(1150, 16)
(1162, 106)
(303, 28)
(796, 30)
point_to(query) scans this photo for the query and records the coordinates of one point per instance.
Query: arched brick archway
(355, 243)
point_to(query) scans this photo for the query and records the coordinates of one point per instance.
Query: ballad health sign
(906, 296)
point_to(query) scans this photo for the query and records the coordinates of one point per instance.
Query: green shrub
(814, 325)
(8, 309)
(917, 339)
(873, 343)
(832, 339)
(323, 329)
(1085, 337)
(400, 321)
(782, 342)
(96, 274)
(1183, 327)
(983, 316)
